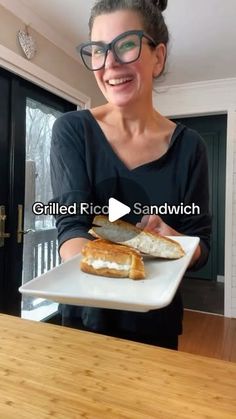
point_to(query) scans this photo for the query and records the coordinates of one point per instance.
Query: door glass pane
(40, 243)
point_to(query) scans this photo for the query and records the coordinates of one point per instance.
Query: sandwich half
(104, 258)
(144, 241)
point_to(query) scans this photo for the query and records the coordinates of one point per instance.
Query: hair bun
(161, 4)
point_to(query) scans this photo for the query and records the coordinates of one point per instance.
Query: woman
(128, 139)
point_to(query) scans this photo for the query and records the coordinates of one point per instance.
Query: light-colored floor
(209, 335)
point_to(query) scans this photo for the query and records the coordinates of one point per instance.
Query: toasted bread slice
(101, 257)
(144, 241)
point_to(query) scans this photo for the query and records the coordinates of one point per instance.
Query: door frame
(37, 75)
(14, 118)
(202, 99)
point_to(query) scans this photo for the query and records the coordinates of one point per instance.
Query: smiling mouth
(118, 82)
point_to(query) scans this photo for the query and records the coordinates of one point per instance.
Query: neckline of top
(179, 127)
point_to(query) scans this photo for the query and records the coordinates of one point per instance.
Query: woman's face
(123, 84)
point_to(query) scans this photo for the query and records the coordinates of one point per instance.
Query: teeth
(118, 81)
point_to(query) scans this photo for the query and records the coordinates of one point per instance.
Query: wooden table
(50, 371)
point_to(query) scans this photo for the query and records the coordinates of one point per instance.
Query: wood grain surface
(209, 335)
(49, 371)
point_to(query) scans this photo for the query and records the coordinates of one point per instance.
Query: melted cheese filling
(99, 264)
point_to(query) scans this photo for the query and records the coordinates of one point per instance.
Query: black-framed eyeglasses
(126, 49)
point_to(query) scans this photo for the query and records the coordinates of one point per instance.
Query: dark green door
(213, 131)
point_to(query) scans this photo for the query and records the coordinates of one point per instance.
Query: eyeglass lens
(125, 49)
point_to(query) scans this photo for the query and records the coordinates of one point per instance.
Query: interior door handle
(20, 231)
(3, 234)
(29, 230)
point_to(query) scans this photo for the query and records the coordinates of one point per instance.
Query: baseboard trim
(204, 312)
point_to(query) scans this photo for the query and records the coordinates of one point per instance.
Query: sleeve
(197, 194)
(69, 179)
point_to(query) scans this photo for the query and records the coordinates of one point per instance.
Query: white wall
(214, 97)
(49, 57)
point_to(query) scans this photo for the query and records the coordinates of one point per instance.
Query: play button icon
(117, 209)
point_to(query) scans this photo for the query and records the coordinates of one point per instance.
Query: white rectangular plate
(67, 284)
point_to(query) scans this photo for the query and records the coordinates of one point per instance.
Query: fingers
(150, 222)
(143, 222)
(156, 224)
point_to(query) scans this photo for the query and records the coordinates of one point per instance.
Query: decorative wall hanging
(27, 43)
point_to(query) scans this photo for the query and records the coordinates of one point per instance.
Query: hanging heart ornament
(27, 44)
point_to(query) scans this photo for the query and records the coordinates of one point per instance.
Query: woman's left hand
(155, 223)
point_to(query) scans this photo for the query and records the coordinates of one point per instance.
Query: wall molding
(28, 17)
(30, 71)
(207, 98)
(206, 83)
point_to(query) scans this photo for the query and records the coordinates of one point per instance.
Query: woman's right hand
(72, 248)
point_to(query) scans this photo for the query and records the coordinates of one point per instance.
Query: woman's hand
(155, 223)
(72, 248)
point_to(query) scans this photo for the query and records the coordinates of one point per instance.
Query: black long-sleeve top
(85, 168)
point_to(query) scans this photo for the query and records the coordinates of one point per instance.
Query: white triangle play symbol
(117, 209)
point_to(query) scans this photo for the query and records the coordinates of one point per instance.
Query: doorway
(28, 245)
(204, 290)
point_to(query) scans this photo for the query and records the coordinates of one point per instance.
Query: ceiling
(203, 34)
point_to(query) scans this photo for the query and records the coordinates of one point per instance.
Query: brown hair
(149, 11)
